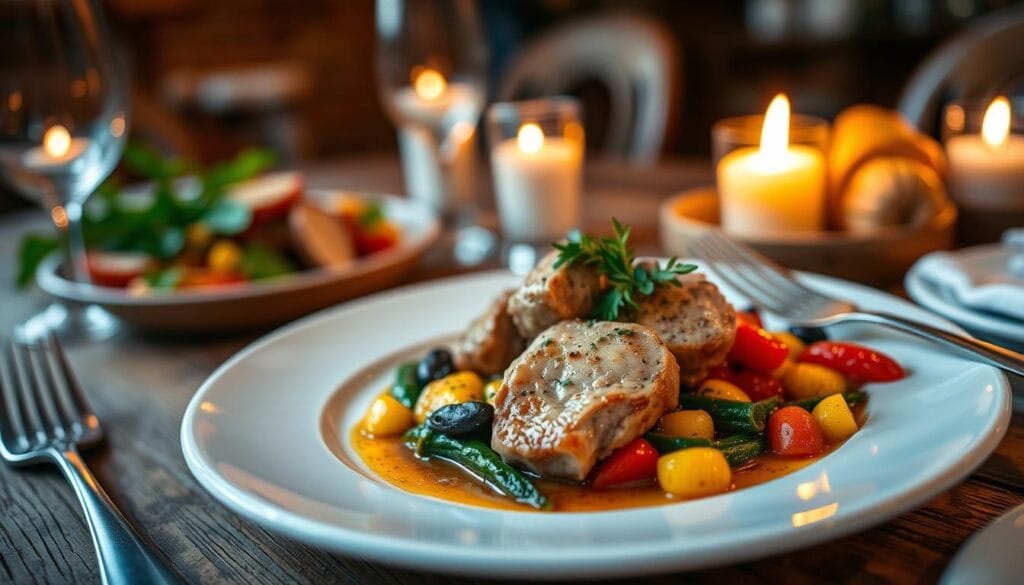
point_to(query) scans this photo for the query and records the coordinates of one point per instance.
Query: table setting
(508, 357)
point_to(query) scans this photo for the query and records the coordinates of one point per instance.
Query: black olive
(435, 365)
(465, 418)
(809, 334)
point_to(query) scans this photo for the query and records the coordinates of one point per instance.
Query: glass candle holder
(775, 186)
(537, 151)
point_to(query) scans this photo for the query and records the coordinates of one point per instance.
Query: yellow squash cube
(722, 390)
(835, 418)
(810, 380)
(387, 417)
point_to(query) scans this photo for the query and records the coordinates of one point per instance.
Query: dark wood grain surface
(140, 386)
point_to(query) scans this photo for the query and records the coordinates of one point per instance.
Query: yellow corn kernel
(387, 417)
(491, 390)
(793, 343)
(452, 389)
(690, 424)
(224, 256)
(722, 390)
(835, 418)
(695, 472)
(810, 380)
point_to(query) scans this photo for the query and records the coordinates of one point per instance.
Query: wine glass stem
(74, 242)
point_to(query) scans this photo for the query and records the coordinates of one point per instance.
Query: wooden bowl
(879, 259)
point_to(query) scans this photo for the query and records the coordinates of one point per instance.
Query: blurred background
(209, 78)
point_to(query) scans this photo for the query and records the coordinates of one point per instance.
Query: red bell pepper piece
(854, 361)
(757, 349)
(758, 386)
(635, 461)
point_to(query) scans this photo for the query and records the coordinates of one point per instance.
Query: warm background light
(429, 84)
(775, 131)
(995, 126)
(530, 138)
(57, 141)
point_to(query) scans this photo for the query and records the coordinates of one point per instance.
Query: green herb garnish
(612, 258)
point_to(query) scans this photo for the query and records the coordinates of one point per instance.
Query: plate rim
(417, 554)
(52, 283)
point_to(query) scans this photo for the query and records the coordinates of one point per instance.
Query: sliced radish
(320, 237)
(117, 268)
(270, 196)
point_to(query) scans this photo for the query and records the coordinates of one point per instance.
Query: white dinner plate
(993, 326)
(264, 303)
(267, 433)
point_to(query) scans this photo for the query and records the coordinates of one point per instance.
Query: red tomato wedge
(116, 268)
(856, 362)
(637, 460)
(793, 432)
(757, 349)
(269, 197)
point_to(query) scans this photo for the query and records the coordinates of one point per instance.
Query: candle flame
(995, 126)
(530, 138)
(775, 131)
(57, 141)
(429, 84)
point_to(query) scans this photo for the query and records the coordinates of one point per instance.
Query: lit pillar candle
(57, 152)
(986, 171)
(775, 187)
(537, 182)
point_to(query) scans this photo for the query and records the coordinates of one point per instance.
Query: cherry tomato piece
(758, 386)
(793, 432)
(719, 372)
(635, 461)
(854, 361)
(757, 349)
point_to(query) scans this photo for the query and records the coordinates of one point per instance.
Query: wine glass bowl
(63, 110)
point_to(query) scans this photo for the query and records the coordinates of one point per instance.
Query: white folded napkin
(978, 278)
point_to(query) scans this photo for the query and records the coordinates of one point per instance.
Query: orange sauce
(396, 464)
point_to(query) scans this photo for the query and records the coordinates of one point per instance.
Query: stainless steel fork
(775, 289)
(44, 417)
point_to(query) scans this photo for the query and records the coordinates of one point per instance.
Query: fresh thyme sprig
(612, 258)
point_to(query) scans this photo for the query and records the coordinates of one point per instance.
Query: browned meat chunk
(550, 295)
(580, 391)
(491, 342)
(694, 320)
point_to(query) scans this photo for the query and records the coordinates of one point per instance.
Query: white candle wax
(40, 160)
(459, 100)
(762, 193)
(538, 193)
(986, 177)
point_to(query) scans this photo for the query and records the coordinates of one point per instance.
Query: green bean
(406, 388)
(729, 415)
(852, 398)
(480, 460)
(738, 449)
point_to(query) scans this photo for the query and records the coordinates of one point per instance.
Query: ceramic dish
(267, 435)
(688, 215)
(264, 303)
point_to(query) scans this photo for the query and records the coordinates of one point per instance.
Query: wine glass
(63, 122)
(431, 69)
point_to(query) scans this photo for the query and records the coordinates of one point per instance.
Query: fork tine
(12, 425)
(70, 393)
(44, 392)
(35, 433)
(754, 289)
(777, 274)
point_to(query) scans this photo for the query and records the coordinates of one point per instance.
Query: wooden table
(140, 386)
